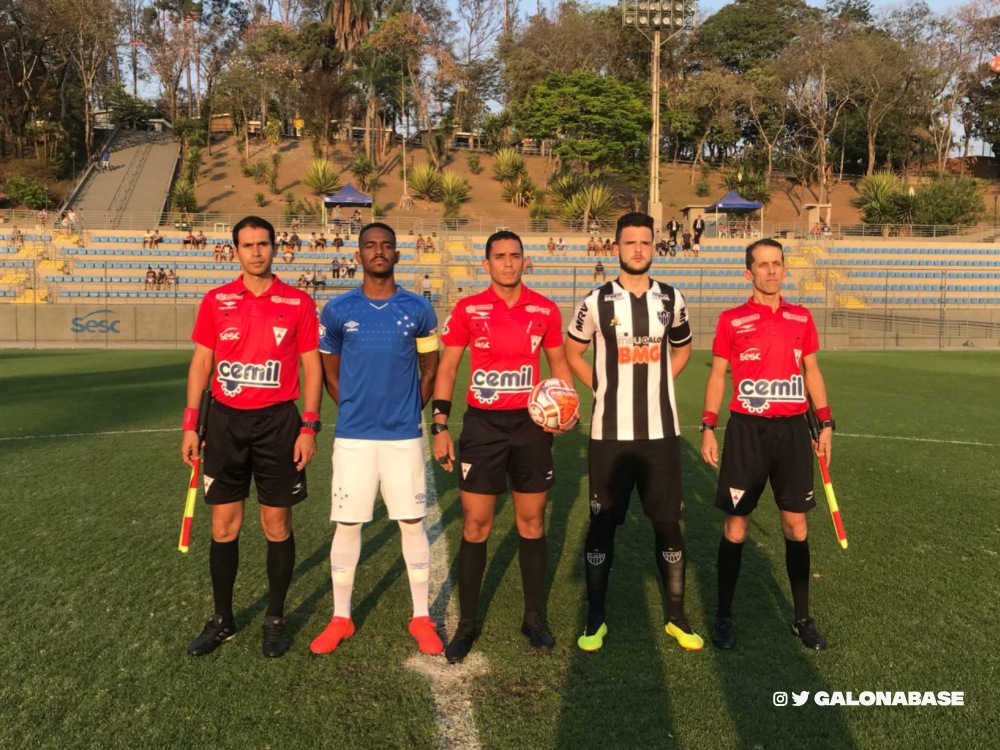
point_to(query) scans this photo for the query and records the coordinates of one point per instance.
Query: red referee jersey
(765, 349)
(505, 343)
(257, 342)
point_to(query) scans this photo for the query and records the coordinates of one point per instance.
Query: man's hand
(710, 448)
(568, 427)
(190, 447)
(443, 450)
(824, 446)
(305, 450)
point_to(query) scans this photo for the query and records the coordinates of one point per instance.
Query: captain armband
(427, 344)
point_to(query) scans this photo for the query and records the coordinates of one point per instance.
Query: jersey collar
(758, 307)
(522, 299)
(276, 289)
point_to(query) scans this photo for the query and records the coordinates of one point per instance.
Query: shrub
(520, 191)
(508, 165)
(182, 197)
(259, 199)
(321, 177)
(425, 182)
(703, 188)
(565, 186)
(362, 167)
(474, 166)
(603, 205)
(454, 186)
(27, 191)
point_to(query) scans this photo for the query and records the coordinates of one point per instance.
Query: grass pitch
(98, 606)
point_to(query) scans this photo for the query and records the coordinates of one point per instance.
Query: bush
(603, 205)
(192, 165)
(182, 197)
(362, 168)
(538, 213)
(425, 182)
(259, 199)
(564, 187)
(451, 207)
(27, 191)
(520, 191)
(508, 165)
(259, 170)
(703, 188)
(950, 199)
(474, 166)
(321, 177)
(454, 187)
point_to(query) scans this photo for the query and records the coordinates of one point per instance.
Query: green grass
(98, 606)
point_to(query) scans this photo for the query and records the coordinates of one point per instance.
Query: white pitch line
(454, 715)
(87, 434)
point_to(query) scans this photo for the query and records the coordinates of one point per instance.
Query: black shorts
(497, 444)
(241, 444)
(651, 466)
(761, 448)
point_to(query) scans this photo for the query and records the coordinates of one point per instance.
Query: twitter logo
(799, 699)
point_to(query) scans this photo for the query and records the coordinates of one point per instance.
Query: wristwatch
(706, 426)
(315, 426)
(828, 423)
(437, 428)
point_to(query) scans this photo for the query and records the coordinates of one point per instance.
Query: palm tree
(351, 20)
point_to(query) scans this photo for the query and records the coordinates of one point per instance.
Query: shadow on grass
(767, 658)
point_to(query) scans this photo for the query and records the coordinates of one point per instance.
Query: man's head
(634, 242)
(504, 258)
(253, 238)
(377, 249)
(765, 260)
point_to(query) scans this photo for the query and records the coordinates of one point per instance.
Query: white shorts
(362, 467)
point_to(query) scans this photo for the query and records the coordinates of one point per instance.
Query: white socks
(417, 554)
(345, 551)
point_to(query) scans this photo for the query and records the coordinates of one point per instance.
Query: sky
(707, 7)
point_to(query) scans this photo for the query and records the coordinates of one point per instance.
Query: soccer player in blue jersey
(379, 348)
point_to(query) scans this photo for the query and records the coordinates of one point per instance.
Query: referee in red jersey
(770, 348)
(250, 337)
(506, 328)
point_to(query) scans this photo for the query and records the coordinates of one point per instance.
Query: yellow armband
(427, 344)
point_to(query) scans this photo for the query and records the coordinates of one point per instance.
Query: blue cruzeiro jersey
(379, 374)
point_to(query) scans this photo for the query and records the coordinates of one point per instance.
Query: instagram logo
(781, 698)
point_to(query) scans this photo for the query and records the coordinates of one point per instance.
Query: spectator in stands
(335, 268)
(529, 267)
(825, 231)
(321, 242)
(320, 281)
(551, 246)
(310, 277)
(16, 239)
(295, 225)
(302, 283)
(699, 229)
(673, 227)
(171, 278)
(227, 251)
(156, 239)
(295, 241)
(607, 246)
(201, 241)
(74, 222)
(337, 218)
(352, 268)
(161, 278)
(560, 247)
(686, 243)
(280, 242)
(815, 231)
(43, 218)
(357, 221)
(64, 224)
(429, 244)
(592, 246)
(661, 248)
(599, 272)
(287, 254)
(420, 243)
(150, 277)
(312, 241)
(147, 239)
(218, 252)
(190, 240)
(338, 241)
(425, 286)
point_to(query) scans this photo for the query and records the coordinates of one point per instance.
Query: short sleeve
(455, 331)
(308, 333)
(428, 320)
(331, 333)
(581, 327)
(810, 342)
(204, 325)
(722, 343)
(553, 334)
(680, 328)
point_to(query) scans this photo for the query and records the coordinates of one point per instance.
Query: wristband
(190, 421)
(440, 406)
(310, 416)
(310, 423)
(437, 428)
(710, 418)
(824, 414)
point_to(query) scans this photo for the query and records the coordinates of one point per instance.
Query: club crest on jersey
(664, 316)
(596, 558)
(233, 376)
(736, 495)
(798, 357)
(595, 507)
(488, 385)
(535, 341)
(758, 395)
(672, 556)
(279, 334)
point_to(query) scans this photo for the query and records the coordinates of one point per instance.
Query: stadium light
(659, 21)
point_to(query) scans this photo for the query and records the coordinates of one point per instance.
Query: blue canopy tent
(734, 203)
(347, 196)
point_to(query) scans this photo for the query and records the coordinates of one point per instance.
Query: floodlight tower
(665, 19)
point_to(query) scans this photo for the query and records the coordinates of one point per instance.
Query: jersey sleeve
(810, 343)
(333, 335)
(426, 336)
(204, 325)
(680, 328)
(581, 327)
(722, 343)
(455, 331)
(308, 333)
(553, 334)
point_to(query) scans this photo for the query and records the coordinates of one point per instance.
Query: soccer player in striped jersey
(642, 341)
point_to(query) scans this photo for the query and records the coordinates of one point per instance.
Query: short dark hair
(253, 222)
(766, 242)
(502, 234)
(633, 219)
(376, 225)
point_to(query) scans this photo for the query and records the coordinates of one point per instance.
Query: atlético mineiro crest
(665, 316)
(596, 558)
(672, 556)
(595, 507)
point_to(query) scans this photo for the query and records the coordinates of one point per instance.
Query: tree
(597, 122)
(350, 20)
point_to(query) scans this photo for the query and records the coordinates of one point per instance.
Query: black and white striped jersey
(633, 385)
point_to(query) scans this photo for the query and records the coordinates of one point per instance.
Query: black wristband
(437, 428)
(440, 406)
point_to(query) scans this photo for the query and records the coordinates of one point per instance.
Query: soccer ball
(995, 64)
(553, 404)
